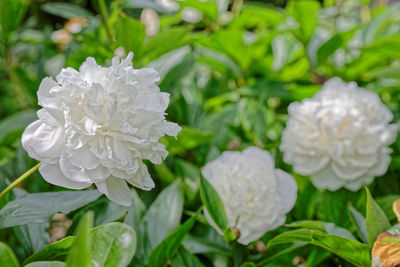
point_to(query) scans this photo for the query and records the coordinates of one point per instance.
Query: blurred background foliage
(231, 67)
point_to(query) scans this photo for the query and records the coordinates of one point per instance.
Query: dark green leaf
(376, 219)
(11, 13)
(169, 246)
(185, 258)
(213, 204)
(56, 251)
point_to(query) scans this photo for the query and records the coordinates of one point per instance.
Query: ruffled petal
(116, 190)
(53, 175)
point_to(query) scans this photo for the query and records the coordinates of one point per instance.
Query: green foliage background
(231, 76)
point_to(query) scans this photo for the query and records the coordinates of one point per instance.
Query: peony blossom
(256, 196)
(97, 125)
(339, 137)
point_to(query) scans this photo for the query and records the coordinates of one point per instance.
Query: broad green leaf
(213, 204)
(46, 264)
(333, 205)
(135, 211)
(306, 14)
(317, 256)
(131, 40)
(276, 252)
(185, 258)
(80, 254)
(169, 246)
(358, 221)
(7, 256)
(11, 13)
(39, 207)
(66, 10)
(376, 219)
(55, 251)
(113, 244)
(110, 242)
(161, 219)
(197, 245)
(187, 139)
(350, 250)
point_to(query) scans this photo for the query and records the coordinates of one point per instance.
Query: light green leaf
(39, 207)
(46, 264)
(327, 227)
(163, 217)
(113, 244)
(66, 10)
(7, 256)
(80, 254)
(135, 212)
(358, 221)
(169, 246)
(350, 250)
(213, 204)
(111, 241)
(386, 204)
(129, 34)
(187, 139)
(306, 14)
(376, 219)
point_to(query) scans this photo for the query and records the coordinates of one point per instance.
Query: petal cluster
(339, 137)
(256, 196)
(97, 125)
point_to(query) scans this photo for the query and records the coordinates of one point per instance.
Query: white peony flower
(256, 196)
(97, 125)
(339, 137)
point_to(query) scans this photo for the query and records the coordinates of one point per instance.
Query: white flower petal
(53, 175)
(287, 190)
(116, 190)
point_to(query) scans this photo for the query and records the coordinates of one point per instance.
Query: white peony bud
(256, 196)
(97, 125)
(339, 137)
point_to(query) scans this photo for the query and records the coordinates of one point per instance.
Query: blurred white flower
(256, 196)
(97, 125)
(339, 137)
(149, 18)
(191, 15)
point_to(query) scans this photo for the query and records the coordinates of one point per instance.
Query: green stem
(239, 254)
(19, 180)
(104, 14)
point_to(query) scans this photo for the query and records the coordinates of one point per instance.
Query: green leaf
(213, 204)
(376, 219)
(386, 203)
(162, 218)
(66, 10)
(135, 211)
(55, 251)
(169, 246)
(46, 264)
(327, 227)
(114, 244)
(350, 250)
(187, 139)
(129, 33)
(110, 242)
(185, 258)
(79, 253)
(358, 221)
(7, 256)
(11, 13)
(306, 14)
(39, 207)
